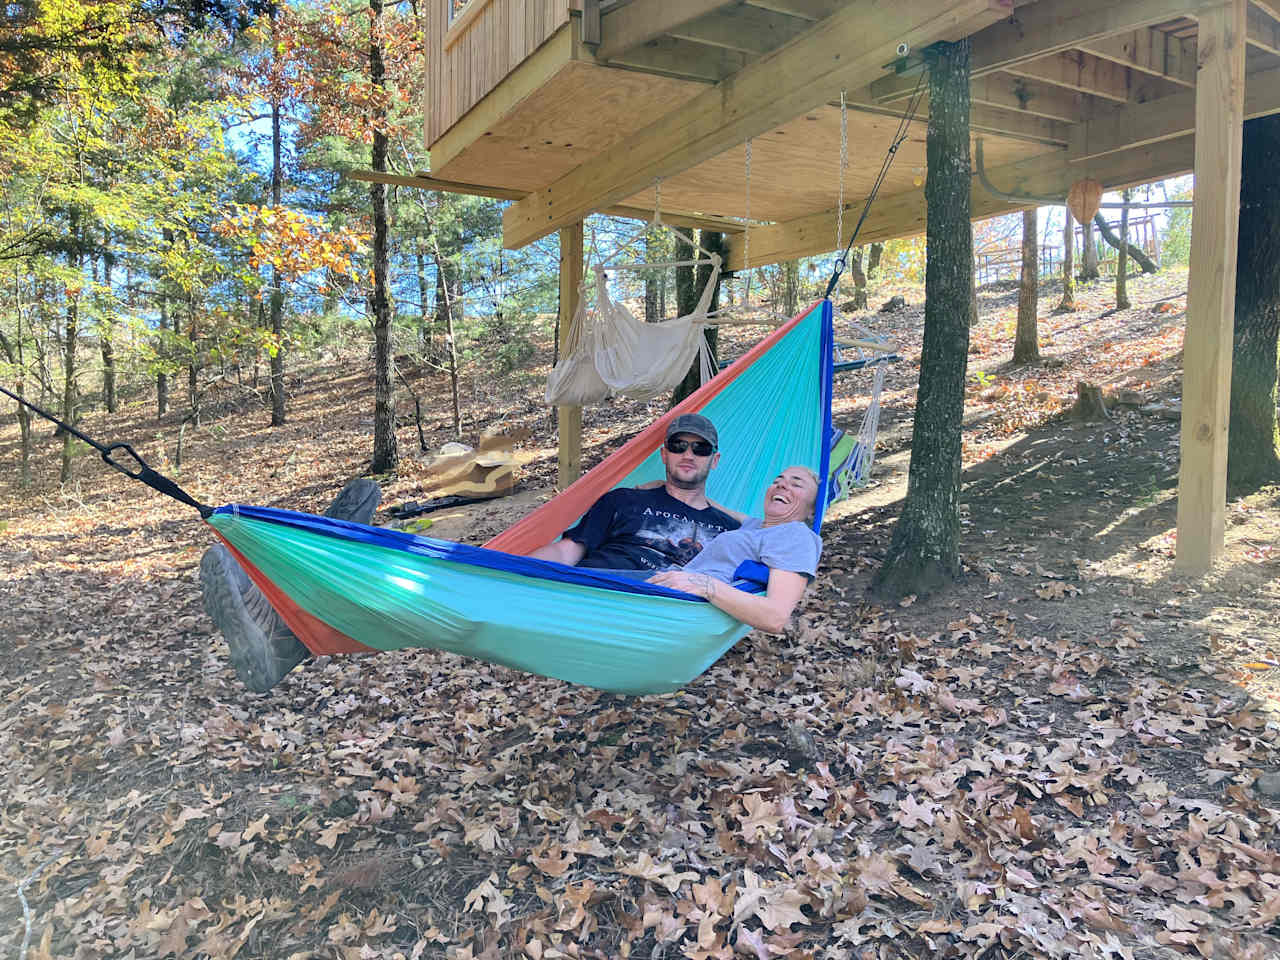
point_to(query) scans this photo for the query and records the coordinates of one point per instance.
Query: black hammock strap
(138, 470)
(904, 127)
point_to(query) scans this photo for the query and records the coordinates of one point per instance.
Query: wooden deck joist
(846, 50)
(424, 181)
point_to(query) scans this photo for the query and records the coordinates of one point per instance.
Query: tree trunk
(651, 314)
(385, 455)
(277, 291)
(1089, 252)
(790, 288)
(1068, 301)
(69, 412)
(13, 353)
(693, 379)
(106, 335)
(1146, 263)
(1122, 257)
(859, 280)
(1026, 342)
(1253, 443)
(873, 259)
(424, 318)
(925, 550)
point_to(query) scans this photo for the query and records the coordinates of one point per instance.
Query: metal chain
(746, 234)
(844, 165)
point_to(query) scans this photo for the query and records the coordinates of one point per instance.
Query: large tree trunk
(651, 280)
(1146, 263)
(1026, 342)
(925, 550)
(713, 242)
(277, 291)
(1122, 257)
(1253, 444)
(790, 288)
(106, 335)
(1088, 252)
(1068, 301)
(873, 259)
(385, 454)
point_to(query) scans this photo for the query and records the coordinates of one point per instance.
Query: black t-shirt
(629, 529)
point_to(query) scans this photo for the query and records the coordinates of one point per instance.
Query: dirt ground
(1063, 755)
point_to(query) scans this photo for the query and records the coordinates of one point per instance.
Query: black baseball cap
(696, 424)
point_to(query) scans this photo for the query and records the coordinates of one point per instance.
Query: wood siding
(498, 38)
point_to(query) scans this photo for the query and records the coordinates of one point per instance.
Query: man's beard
(698, 480)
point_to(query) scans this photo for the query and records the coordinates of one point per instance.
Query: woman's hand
(698, 584)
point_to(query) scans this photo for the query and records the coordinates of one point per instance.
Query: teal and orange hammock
(346, 588)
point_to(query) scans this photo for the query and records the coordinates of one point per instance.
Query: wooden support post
(1206, 377)
(569, 419)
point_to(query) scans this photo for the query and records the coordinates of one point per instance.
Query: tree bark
(385, 454)
(106, 335)
(650, 280)
(1122, 257)
(13, 353)
(790, 288)
(1146, 263)
(424, 318)
(693, 379)
(924, 552)
(1088, 252)
(1068, 301)
(859, 279)
(277, 291)
(1026, 341)
(1253, 442)
(873, 259)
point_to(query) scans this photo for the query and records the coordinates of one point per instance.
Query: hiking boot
(263, 648)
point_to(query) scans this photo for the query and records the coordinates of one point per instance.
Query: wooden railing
(471, 48)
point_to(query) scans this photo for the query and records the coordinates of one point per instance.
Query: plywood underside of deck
(586, 108)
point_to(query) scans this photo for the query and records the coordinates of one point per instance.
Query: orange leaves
(290, 241)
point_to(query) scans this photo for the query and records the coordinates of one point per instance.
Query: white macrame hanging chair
(612, 353)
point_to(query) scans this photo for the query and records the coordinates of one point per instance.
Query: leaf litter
(1057, 758)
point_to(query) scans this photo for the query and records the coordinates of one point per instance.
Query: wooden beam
(903, 214)
(424, 181)
(682, 59)
(569, 419)
(1000, 122)
(745, 29)
(1211, 288)
(625, 26)
(1149, 51)
(844, 51)
(1050, 26)
(1262, 31)
(1086, 73)
(1270, 7)
(810, 10)
(1038, 99)
(1119, 128)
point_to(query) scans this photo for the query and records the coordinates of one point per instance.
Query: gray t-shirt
(787, 546)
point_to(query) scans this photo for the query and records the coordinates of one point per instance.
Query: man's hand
(564, 550)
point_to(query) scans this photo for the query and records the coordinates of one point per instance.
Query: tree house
(568, 107)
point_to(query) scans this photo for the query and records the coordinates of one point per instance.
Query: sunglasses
(701, 448)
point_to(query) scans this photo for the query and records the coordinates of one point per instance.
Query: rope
(904, 127)
(142, 472)
(844, 165)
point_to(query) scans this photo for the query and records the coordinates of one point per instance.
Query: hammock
(611, 352)
(343, 587)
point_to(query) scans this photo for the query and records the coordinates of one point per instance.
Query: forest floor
(1057, 757)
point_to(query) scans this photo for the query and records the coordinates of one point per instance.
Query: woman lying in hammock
(783, 541)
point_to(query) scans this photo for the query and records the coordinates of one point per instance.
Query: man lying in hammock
(783, 541)
(657, 526)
